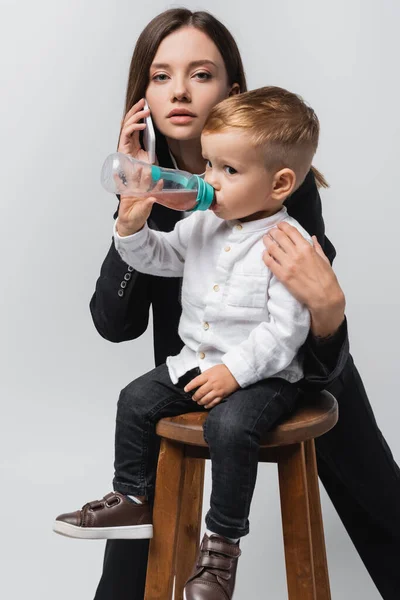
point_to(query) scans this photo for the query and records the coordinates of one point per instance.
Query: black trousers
(361, 478)
(233, 431)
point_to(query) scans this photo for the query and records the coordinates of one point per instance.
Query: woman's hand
(213, 385)
(133, 212)
(306, 272)
(130, 127)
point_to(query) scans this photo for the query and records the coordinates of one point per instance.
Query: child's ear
(283, 184)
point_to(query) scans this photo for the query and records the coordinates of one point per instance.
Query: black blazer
(121, 303)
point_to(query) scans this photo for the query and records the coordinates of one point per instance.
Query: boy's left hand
(214, 384)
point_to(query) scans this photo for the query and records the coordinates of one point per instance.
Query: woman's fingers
(292, 233)
(129, 140)
(274, 249)
(130, 127)
(138, 106)
(286, 245)
(318, 249)
(287, 237)
(273, 264)
(135, 117)
(307, 274)
(278, 237)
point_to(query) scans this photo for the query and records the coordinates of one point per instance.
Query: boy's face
(243, 186)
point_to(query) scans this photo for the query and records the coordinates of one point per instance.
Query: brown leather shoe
(113, 517)
(213, 576)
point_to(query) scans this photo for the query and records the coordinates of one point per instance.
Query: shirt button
(216, 288)
(227, 248)
(127, 276)
(202, 355)
(123, 284)
(239, 227)
(120, 293)
(130, 269)
(206, 325)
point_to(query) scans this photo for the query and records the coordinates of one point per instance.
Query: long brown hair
(159, 28)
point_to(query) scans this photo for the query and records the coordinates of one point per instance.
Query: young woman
(355, 464)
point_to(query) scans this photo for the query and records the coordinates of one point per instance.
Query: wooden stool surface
(312, 418)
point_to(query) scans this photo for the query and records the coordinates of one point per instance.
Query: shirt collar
(259, 224)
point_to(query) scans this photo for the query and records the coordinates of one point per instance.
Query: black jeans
(361, 478)
(233, 431)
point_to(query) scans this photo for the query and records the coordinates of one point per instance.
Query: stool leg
(317, 528)
(296, 522)
(189, 522)
(160, 568)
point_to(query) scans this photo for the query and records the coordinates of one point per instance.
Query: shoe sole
(185, 597)
(133, 532)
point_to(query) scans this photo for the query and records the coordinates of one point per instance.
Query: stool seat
(313, 417)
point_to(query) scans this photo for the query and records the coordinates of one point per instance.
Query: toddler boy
(242, 331)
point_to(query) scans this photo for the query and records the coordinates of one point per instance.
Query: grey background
(63, 78)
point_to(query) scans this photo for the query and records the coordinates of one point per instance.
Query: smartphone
(149, 137)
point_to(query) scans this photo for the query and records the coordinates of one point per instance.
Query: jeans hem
(131, 490)
(228, 532)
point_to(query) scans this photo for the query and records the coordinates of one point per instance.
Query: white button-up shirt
(234, 310)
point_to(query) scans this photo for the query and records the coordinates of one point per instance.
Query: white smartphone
(149, 137)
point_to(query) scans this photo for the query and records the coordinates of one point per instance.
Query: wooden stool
(179, 497)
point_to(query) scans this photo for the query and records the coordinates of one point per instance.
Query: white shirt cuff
(240, 369)
(142, 233)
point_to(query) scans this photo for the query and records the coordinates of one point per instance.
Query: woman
(354, 461)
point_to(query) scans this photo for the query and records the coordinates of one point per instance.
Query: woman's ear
(283, 184)
(235, 89)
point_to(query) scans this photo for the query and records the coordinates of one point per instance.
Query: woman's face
(187, 76)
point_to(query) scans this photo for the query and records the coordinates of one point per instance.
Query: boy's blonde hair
(279, 123)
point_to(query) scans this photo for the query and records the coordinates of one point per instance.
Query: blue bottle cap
(155, 173)
(169, 175)
(205, 193)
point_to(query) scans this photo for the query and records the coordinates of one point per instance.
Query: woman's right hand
(133, 212)
(130, 127)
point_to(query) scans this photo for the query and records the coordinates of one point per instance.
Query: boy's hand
(214, 384)
(134, 211)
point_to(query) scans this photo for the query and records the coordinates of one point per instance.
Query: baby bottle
(122, 174)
